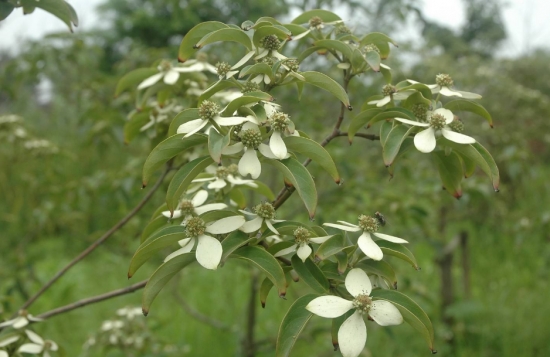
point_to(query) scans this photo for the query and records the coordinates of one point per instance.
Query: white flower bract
(352, 334)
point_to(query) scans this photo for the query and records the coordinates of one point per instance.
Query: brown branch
(98, 242)
(93, 300)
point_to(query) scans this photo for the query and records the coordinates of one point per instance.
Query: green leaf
(213, 89)
(380, 268)
(264, 31)
(330, 247)
(358, 62)
(450, 171)
(265, 262)
(194, 35)
(216, 143)
(152, 227)
(386, 73)
(5, 10)
(310, 274)
(411, 311)
(132, 79)
(325, 15)
(292, 325)
(232, 242)
(422, 88)
(132, 127)
(399, 251)
(314, 151)
(416, 98)
(262, 189)
(265, 288)
(373, 59)
(301, 179)
(325, 82)
(392, 113)
(258, 68)
(166, 150)
(249, 98)
(216, 215)
(226, 35)
(237, 196)
(308, 52)
(393, 142)
(162, 276)
(463, 105)
(58, 8)
(183, 117)
(183, 178)
(477, 153)
(335, 45)
(360, 120)
(164, 238)
(385, 130)
(469, 166)
(294, 29)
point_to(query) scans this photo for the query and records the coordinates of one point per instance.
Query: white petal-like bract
(253, 225)
(329, 306)
(199, 198)
(358, 282)
(171, 77)
(32, 348)
(209, 252)
(304, 252)
(352, 335)
(150, 81)
(385, 313)
(457, 137)
(412, 122)
(371, 249)
(226, 225)
(342, 227)
(277, 145)
(250, 164)
(390, 238)
(425, 140)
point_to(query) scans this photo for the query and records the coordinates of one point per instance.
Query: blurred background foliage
(67, 177)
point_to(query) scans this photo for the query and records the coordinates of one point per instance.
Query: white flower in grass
(224, 176)
(352, 334)
(160, 113)
(209, 112)
(130, 312)
(302, 248)
(209, 249)
(251, 141)
(194, 207)
(315, 23)
(280, 124)
(197, 65)
(20, 321)
(270, 45)
(110, 325)
(263, 213)
(38, 345)
(439, 121)
(443, 84)
(368, 225)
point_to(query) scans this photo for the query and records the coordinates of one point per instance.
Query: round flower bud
(195, 227)
(164, 66)
(371, 47)
(251, 138)
(457, 125)
(250, 87)
(292, 64)
(208, 110)
(388, 89)
(316, 22)
(265, 210)
(222, 172)
(267, 60)
(233, 169)
(301, 235)
(362, 303)
(342, 30)
(279, 121)
(420, 111)
(368, 223)
(271, 42)
(437, 121)
(443, 80)
(222, 68)
(187, 208)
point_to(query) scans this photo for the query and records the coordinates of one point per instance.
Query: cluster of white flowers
(36, 345)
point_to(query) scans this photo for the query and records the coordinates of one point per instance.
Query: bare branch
(93, 300)
(98, 242)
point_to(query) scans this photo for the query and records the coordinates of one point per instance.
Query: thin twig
(197, 315)
(97, 243)
(93, 300)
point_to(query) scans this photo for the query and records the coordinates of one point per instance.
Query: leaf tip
(433, 351)
(181, 60)
(350, 108)
(197, 47)
(263, 304)
(145, 311)
(282, 294)
(130, 275)
(143, 185)
(457, 195)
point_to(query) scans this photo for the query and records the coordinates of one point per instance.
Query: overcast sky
(527, 22)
